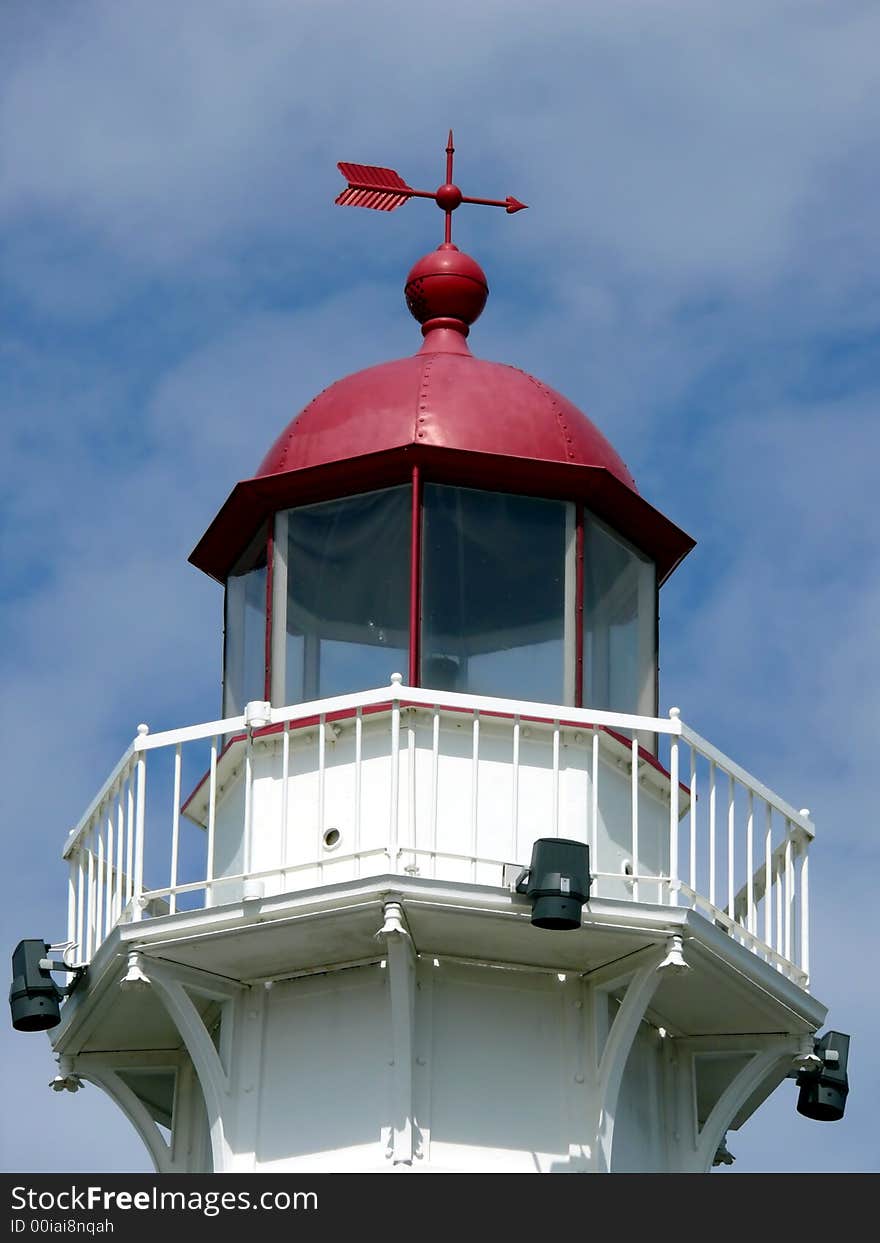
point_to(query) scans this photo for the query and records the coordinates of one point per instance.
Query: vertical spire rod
(450, 151)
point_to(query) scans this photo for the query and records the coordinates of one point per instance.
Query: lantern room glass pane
(493, 593)
(244, 645)
(620, 624)
(347, 614)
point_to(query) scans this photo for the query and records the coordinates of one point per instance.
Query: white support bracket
(171, 982)
(616, 1046)
(107, 1079)
(401, 961)
(759, 1066)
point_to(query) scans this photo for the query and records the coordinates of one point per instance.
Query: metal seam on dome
(549, 395)
(296, 425)
(422, 411)
(300, 418)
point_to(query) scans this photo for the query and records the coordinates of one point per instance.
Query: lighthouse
(440, 888)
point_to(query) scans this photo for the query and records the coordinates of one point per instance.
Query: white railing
(448, 786)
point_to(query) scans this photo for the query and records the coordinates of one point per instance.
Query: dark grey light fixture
(34, 997)
(557, 882)
(823, 1090)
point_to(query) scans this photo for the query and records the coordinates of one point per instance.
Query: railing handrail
(744, 777)
(85, 819)
(428, 698)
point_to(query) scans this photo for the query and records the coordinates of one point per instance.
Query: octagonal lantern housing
(451, 519)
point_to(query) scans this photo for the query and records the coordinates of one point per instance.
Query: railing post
(780, 905)
(805, 902)
(789, 892)
(556, 778)
(712, 785)
(358, 762)
(90, 928)
(674, 715)
(693, 826)
(128, 891)
(285, 802)
(137, 911)
(768, 877)
(175, 831)
(435, 784)
(100, 881)
(514, 792)
(731, 825)
(322, 789)
(248, 808)
(109, 915)
(634, 799)
(81, 896)
(594, 798)
(394, 809)
(212, 816)
(475, 793)
(750, 865)
(411, 786)
(118, 902)
(257, 715)
(73, 868)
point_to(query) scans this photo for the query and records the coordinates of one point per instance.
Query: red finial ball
(448, 197)
(447, 284)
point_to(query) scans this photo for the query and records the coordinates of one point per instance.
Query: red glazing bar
(270, 571)
(579, 608)
(415, 578)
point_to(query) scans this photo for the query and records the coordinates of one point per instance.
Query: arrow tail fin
(387, 189)
(385, 177)
(379, 200)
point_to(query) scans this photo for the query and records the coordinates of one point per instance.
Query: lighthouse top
(462, 419)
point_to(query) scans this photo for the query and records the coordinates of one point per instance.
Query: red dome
(455, 418)
(445, 398)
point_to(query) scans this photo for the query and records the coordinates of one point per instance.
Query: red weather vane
(385, 190)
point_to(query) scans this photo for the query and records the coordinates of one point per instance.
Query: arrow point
(514, 205)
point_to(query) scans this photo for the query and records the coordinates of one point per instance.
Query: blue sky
(699, 271)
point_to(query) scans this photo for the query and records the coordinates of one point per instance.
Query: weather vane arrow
(383, 189)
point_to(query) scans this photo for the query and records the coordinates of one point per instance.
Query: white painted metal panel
(498, 1078)
(324, 1084)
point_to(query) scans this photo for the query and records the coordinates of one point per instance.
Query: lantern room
(449, 517)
